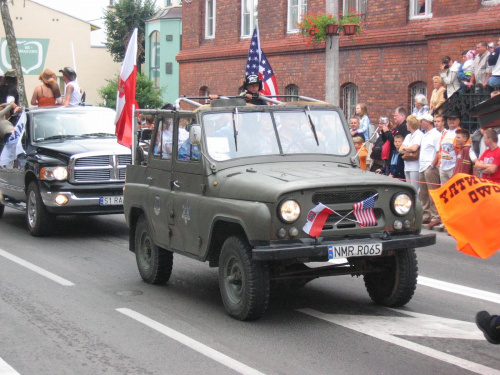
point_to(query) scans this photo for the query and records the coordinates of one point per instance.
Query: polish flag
(316, 218)
(125, 98)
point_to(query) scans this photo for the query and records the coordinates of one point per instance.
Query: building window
(248, 17)
(204, 91)
(490, 2)
(350, 99)
(154, 58)
(420, 9)
(210, 19)
(296, 8)
(358, 5)
(292, 90)
(415, 89)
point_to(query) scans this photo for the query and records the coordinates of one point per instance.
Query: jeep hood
(267, 182)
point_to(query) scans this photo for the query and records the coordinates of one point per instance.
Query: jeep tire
(394, 287)
(244, 283)
(154, 263)
(2, 209)
(40, 221)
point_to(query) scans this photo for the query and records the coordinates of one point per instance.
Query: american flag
(258, 64)
(364, 212)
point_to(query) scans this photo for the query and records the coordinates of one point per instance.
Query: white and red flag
(125, 98)
(258, 64)
(365, 213)
(316, 218)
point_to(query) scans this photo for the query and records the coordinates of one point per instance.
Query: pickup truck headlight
(401, 204)
(54, 173)
(289, 211)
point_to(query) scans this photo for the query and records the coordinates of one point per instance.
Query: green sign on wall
(32, 52)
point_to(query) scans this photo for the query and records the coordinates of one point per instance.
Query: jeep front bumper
(319, 250)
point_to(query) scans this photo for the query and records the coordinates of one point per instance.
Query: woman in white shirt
(411, 144)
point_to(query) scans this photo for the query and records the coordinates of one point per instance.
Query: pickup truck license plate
(354, 250)
(111, 201)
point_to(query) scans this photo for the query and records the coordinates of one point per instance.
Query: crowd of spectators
(427, 147)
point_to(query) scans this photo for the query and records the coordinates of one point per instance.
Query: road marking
(5, 369)
(36, 269)
(191, 343)
(459, 289)
(378, 327)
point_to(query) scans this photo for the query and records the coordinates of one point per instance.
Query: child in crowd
(464, 152)
(361, 150)
(395, 165)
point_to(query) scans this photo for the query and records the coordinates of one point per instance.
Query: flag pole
(134, 134)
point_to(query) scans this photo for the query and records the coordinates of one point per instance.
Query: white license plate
(111, 201)
(354, 250)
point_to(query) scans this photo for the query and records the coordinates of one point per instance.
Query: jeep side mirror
(195, 134)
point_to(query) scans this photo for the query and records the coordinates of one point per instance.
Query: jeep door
(12, 165)
(187, 190)
(159, 175)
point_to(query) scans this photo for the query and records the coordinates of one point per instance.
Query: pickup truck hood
(267, 182)
(63, 149)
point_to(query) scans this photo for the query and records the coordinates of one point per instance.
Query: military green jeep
(235, 185)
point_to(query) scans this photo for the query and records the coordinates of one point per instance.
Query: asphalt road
(74, 303)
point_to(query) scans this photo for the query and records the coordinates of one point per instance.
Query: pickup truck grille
(98, 168)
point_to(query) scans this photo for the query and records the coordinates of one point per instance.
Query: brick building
(397, 56)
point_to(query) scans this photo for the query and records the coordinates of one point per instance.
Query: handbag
(411, 156)
(386, 150)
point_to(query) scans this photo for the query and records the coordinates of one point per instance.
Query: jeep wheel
(394, 286)
(2, 209)
(40, 221)
(244, 283)
(154, 263)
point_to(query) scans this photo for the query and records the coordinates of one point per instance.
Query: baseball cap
(491, 45)
(427, 117)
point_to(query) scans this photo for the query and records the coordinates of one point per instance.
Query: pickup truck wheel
(154, 263)
(40, 221)
(395, 286)
(244, 283)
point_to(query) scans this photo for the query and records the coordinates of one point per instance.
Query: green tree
(121, 20)
(146, 95)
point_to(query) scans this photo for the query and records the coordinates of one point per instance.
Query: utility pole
(13, 51)
(332, 84)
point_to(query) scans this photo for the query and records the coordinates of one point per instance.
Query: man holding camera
(449, 70)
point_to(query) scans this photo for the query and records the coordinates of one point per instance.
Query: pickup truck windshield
(68, 124)
(279, 132)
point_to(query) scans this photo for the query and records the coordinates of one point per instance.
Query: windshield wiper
(235, 128)
(313, 128)
(98, 135)
(58, 136)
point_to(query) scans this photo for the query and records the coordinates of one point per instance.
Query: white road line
(436, 354)
(459, 289)
(191, 343)
(36, 269)
(5, 369)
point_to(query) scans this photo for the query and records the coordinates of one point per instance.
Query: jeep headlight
(289, 211)
(54, 173)
(401, 204)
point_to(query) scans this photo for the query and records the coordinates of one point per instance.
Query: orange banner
(469, 207)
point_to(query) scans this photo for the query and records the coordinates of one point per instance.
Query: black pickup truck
(66, 161)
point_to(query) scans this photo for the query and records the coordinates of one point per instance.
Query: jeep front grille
(339, 197)
(98, 168)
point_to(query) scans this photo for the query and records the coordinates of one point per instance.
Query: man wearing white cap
(428, 170)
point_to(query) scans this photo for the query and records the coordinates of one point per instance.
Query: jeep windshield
(57, 125)
(231, 135)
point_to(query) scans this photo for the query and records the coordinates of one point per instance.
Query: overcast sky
(87, 10)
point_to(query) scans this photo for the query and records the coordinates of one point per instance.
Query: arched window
(292, 90)
(417, 88)
(350, 99)
(204, 91)
(154, 58)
